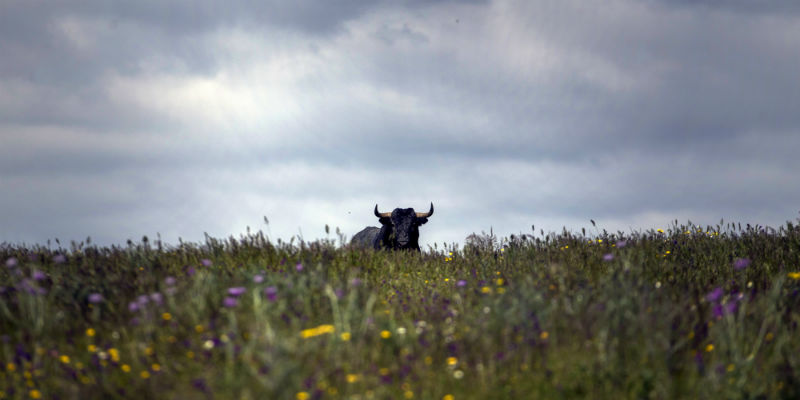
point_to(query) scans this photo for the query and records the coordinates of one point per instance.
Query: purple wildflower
(170, 280)
(236, 291)
(157, 298)
(95, 298)
(59, 259)
(355, 282)
(11, 262)
(230, 302)
(38, 276)
(206, 262)
(621, 244)
(715, 295)
(298, 267)
(741, 263)
(200, 384)
(258, 278)
(461, 283)
(133, 306)
(608, 257)
(142, 300)
(190, 271)
(731, 307)
(718, 311)
(271, 292)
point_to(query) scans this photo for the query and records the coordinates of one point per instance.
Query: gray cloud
(125, 120)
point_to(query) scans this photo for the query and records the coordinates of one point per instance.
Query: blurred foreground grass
(689, 312)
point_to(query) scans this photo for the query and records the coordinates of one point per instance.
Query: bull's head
(403, 225)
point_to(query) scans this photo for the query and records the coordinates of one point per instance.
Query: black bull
(399, 230)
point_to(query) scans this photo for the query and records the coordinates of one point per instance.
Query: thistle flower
(237, 291)
(258, 278)
(461, 283)
(298, 267)
(95, 298)
(230, 302)
(11, 262)
(206, 262)
(608, 257)
(271, 292)
(170, 280)
(59, 259)
(715, 295)
(741, 263)
(38, 275)
(157, 298)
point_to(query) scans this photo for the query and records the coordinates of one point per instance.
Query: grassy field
(685, 312)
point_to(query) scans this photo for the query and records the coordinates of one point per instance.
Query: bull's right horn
(381, 215)
(424, 215)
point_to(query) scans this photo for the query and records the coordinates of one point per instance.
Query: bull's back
(366, 238)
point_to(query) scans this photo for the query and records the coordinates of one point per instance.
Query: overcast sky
(119, 120)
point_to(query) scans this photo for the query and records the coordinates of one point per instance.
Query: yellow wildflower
(709, 348)
(383, 371)
(544, 335)
(90, 332)
(91, 348)
(114, 353)
(452, 361)
(386, 334)
(199, 328)
(794, 275)
(190, 354)
(166, 316)
(486, 290)
(499, 281)
(144, 374)
(448, 397)
(155, 367)
(301, 396)
(64, 359)
(408, 394)
(35, 394)
(351, 378)
(320, 330)
(125, 368)
(345, 336)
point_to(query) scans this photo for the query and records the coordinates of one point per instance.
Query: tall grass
(686, 312)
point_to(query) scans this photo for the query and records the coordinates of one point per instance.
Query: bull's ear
(385, 220)
(421, 221)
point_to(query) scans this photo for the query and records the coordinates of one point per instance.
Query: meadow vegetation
(679, 312)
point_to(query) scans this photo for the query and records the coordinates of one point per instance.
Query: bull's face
(404, 224)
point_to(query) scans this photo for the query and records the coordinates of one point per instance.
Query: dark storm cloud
(126, 119)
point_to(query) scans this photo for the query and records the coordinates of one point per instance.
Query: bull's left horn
(427, 214)
(380, 214)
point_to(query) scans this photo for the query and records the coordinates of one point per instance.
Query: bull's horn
(427, 214)
(381, 215)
